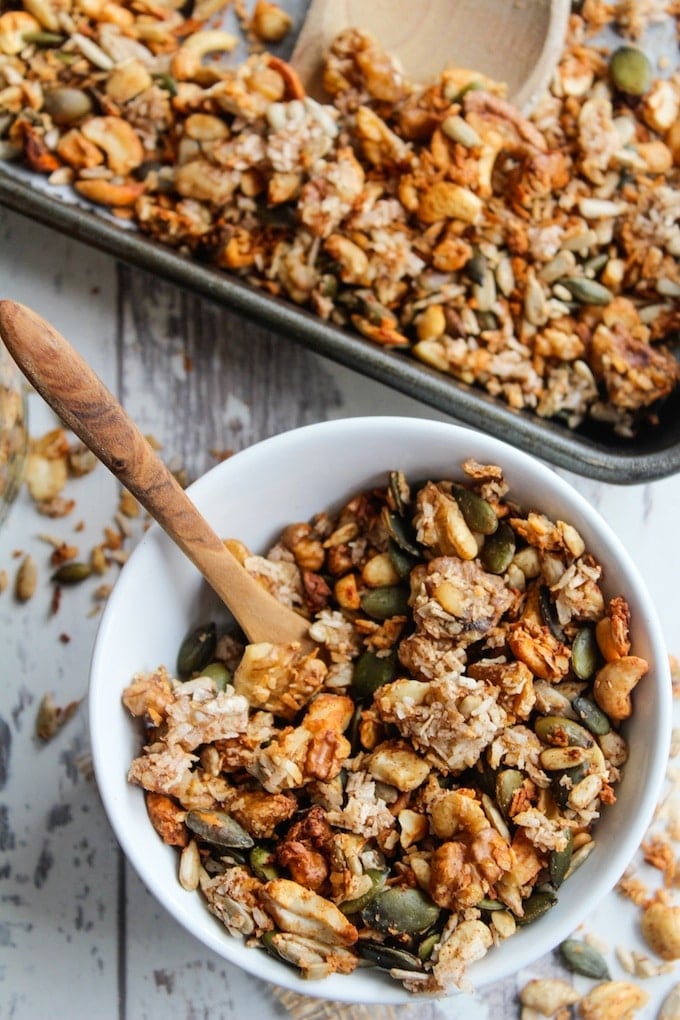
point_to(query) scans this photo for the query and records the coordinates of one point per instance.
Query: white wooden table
(79, 935)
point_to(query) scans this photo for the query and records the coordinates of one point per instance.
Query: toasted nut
(127, 80)
(446, 200)
(186, 63)
(548, 995)
(26, 579)
(107, 193)
(660, 924)
(118, 139)
(612, 1000)
(13, 27)
(394, 762)
(269, 22)
(302, 912)
(615, 681)
(380, 571)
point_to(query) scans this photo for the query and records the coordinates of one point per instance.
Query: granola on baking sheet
(534, 256)
(422, 782)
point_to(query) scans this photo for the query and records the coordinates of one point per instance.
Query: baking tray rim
(540, 437)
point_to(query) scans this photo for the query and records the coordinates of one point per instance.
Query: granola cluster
(533, 256)
(421, 781)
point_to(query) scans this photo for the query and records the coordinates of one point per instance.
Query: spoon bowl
(511, 42)
(87, 407)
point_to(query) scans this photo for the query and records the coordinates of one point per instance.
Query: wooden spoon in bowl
(514, 41)
(86, 406)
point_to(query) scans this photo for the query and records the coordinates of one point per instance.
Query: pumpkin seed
(475, 268)
(583, 959)
(479, 515)
(554, 729)
(197, 650)
(402, 561)
(372, 671)
(378, 877)
(72, 573)
(579, 856)
(631, 70)
(219, 829)
(560, 860)
(388, 957)
(218, 672)
(383, 603)
(487, 904)
(165, 81)
(426, 947)
(399, 491)
(401, 532)
(586, 291)
(498, 549)
(67, 105)
(591, 715)
(584, 653)
(549, 613)
(43, 38)
(538, 904)
(508, 781)
(561, 789)
(401, 910)
(262, 864)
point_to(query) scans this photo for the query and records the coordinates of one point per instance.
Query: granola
(423, 781)
(534, 256)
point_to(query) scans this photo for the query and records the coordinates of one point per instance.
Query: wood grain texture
(83, 403)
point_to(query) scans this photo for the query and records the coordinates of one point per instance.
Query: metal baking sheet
(590, 450)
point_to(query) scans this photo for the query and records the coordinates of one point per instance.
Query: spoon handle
(82, 401)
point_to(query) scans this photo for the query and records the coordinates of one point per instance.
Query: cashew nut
(107, 193)
(615, 681)
(13, 27)
(119, 141)
(186, 63)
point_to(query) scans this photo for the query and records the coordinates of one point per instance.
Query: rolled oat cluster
(422, 782)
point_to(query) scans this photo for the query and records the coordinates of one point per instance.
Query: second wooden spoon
(515, 42)
(90, 410)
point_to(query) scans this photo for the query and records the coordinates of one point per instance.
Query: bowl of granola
(461, 768)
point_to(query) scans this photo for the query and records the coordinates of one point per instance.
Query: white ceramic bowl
(159, 596)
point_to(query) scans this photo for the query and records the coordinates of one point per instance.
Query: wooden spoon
(513, 41)
(87, 407)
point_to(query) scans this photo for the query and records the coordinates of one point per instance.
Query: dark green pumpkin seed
(401, 910)
(475, 268)
(43, 38)
(401, 532)
(498, 549)
(508, 781)
(487, 904)
(586, 291)
(372, 671)
(72, 573)
(388, 957)
(383, 603)
(560, 789)
(582, 958)
(591, 715)
(552, 730)
(479, 515)
(197, 650)
(402, 561)
(262, 864)
(219, 829)
(549, 612)
(165, 81)
(584, 653)
(538, 904)
(426, 947)
(560, 860)
(378, 878)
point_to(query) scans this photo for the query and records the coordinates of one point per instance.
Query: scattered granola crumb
(51, 717)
